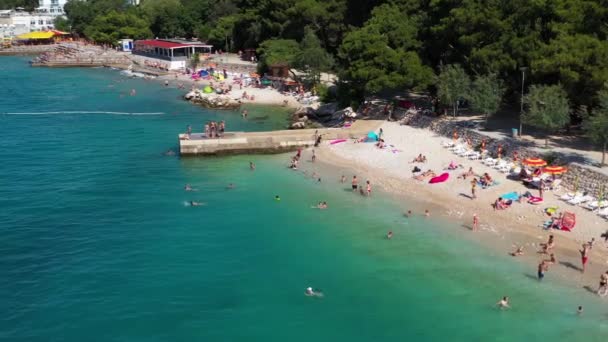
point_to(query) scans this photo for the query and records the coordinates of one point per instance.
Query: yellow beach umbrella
(37, 35)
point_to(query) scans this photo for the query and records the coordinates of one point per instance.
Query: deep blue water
(98, 243)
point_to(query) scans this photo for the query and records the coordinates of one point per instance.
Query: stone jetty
(268, 142)
(74, 54)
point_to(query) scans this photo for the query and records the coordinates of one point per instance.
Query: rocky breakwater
(210, 100)
(326, 115)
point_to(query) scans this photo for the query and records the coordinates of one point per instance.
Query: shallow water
(99, 242)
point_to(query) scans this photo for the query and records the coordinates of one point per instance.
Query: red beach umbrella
(555, 170)
(534, 162)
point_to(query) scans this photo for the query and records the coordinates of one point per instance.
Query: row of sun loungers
(588, 202)
(501, 165)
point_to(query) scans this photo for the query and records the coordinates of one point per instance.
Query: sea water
(99, 242)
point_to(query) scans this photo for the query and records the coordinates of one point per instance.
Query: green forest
(474, 49)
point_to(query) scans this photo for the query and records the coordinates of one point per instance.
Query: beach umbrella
(534, 162)
(555, 170)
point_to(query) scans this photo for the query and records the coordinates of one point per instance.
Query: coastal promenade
(268, 142)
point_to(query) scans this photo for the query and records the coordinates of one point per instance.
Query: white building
(14, 23)
(52, 7)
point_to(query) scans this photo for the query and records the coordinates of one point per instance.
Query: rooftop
(170, 44)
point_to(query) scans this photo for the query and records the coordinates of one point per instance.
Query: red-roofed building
(168, 54)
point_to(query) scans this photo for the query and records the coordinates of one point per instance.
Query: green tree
(62, 24)
(113, 26)
(312, 58)
(223, 32)
(486, 94)
(373, 58)
(596, 126)
(453, 84)
(548, 108)
(278, 51)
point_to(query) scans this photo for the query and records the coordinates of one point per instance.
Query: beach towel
(439, 179)
(568, 221)
(511, 196)
(371, 136)
(337, 141)
(535, 200)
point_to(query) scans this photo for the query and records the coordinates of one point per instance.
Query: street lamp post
(521, 110)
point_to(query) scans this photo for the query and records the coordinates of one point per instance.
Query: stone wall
(583, 178)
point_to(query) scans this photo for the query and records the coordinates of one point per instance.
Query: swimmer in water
(133, 92)
(503, 303)
(277, 198)
(169, 153)
(251, 166)
(196, 204)
(230, 186)
(187, 187)
(579, 310)
(408, 214)
(389, 235)
(427, 213)
(313, 293)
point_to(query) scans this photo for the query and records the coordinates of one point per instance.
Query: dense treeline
(375, 45)
(28, 5)
(385, 44)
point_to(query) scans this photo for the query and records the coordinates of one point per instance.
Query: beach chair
(500, 164)
(580, 200)
(489, 161)
(474, 155)
(464, 152)
(595, 205)
(506, 168)
(570, 195)
(447, 144)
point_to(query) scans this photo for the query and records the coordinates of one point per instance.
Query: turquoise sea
(97, 242)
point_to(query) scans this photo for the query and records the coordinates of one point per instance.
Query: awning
(36, 35)
(59, 33)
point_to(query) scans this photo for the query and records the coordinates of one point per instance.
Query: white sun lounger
(489, 161)
(475, 155)
(580, 200)
(448, 144)
(595, 205)
(570, 195)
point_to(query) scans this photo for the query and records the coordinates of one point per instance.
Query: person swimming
(277, 198)
(230, 186)
(503, 303)
(196, 204)
(389, 235)
(313, 293)
(187, 187)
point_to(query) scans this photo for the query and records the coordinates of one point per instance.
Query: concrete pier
(268, 142)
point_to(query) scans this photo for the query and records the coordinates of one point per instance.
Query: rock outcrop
(214, 101)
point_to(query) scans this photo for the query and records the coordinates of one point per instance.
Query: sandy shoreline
(501, 229)
(262, 96)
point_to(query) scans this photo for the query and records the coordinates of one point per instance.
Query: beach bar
(169, 54)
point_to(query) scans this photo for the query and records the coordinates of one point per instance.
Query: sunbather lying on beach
(519, 251)
(469, 173)
(425, 174)
(454, 166)
(486, 180)
(419, 159)
(501, 204)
